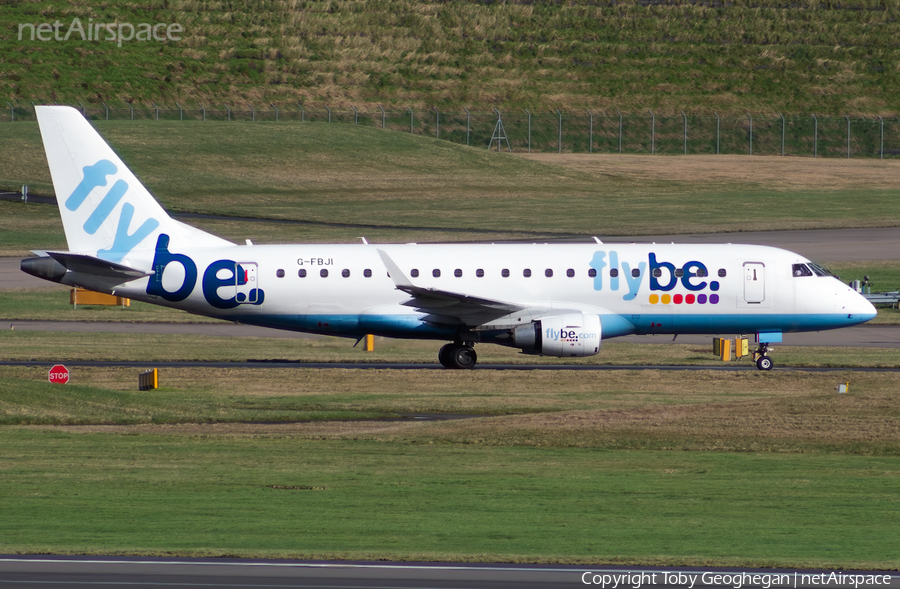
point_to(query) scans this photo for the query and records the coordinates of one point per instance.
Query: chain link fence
(556, 131)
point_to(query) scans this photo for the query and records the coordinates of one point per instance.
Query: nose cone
(857, 308)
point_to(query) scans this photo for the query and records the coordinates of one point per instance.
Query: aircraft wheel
(464, 357)
(764, 363)
(445, 356)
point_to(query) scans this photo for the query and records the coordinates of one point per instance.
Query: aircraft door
(754, 282)
(246, 283)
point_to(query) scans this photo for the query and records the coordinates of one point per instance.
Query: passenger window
(679, 272)
(614, 273)
(301, 273)
(345, 273)
(436, 273)
(701, 272)
(592, 273)
(323, 273)
(367, 273)
(801, 270)
(279, 273)
(526, 273)
(457, 273)
(657, 272)
(570, 273)
(548, 273)
(505, 273)
(414, 272)
(721, 272)
(479, 273)
(636, 272)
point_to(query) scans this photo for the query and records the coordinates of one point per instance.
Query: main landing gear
(763, 361)
(458, 356)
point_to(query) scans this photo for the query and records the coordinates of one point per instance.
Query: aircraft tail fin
(106, 211)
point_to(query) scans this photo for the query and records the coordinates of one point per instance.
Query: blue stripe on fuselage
(410, 326)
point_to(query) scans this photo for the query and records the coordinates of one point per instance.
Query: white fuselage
(634, 288)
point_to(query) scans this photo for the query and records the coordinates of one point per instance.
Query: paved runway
(72, 572)
(744, 366)
(819, 245)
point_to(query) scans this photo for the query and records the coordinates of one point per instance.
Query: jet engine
(565, 335)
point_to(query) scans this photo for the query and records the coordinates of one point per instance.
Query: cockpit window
(801, 270)
(809, 269)
(819, 270)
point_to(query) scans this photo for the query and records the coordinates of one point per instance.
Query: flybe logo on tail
(96, 176)
(664, 277)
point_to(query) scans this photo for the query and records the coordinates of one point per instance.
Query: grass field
(277, 496)
(638, 467)
(392, 186)
(769, 56)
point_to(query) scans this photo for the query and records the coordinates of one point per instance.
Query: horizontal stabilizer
(97, 267)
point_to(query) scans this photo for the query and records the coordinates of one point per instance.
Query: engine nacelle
(565, 335)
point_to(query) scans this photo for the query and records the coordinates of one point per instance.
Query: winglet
(400, 280)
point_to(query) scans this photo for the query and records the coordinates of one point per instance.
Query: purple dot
(714, 299)
(701, 299)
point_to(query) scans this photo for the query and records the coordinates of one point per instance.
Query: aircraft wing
(454, 307)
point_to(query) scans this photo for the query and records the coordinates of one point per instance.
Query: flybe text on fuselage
(663, 277)
(566, 335)
(225, 283)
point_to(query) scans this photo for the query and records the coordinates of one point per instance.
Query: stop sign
(59, 374)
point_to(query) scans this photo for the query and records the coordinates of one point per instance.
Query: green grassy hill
(768, 56)
(343, 182)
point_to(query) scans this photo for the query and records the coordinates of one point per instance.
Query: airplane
(558, 300)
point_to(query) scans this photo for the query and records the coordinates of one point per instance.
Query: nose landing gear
(459, 356)
(763, 361)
